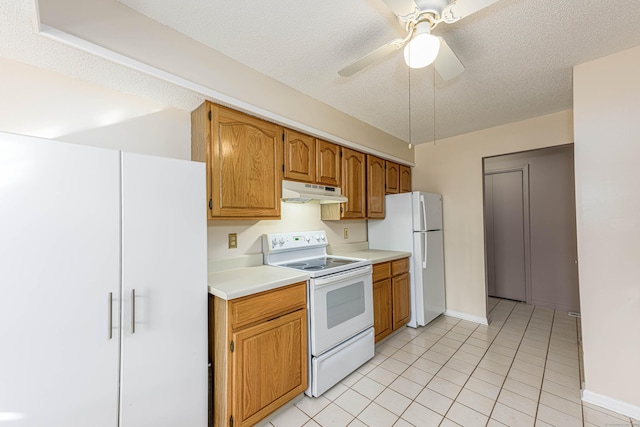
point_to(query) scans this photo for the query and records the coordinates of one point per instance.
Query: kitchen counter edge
(376, 256)
(240, 282)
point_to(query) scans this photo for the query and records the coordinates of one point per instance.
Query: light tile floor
(521, 370)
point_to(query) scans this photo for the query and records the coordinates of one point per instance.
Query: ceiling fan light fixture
(423, 48)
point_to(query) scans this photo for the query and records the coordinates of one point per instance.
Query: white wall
(453, 167)
(165, 133)
(114, 26)
(607, 150)
(295, 217)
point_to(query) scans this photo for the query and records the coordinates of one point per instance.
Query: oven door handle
(339, 277)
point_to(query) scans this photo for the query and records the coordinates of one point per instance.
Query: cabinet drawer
(400, 266)
(381, 271)
(267, 305)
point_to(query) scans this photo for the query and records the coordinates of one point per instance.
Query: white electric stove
(340, 304)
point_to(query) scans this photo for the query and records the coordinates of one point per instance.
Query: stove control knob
(274, 242)
(317, 236)
(307, 238)
(281, 241)
(322, 237)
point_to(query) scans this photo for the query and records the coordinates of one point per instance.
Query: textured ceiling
(518, 55)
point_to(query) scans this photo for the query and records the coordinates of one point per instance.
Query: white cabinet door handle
(133, 311)
(110, 332)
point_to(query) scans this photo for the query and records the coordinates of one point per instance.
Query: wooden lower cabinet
(401, 297)
(391, 296)
(382, 322)
(259, 353)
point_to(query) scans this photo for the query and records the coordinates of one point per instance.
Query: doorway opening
(530, 228)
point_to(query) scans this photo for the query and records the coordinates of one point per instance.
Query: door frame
(527, 224)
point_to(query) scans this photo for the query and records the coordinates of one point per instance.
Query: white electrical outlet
(233, 240)
(346, 233)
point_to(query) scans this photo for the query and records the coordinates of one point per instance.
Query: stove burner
(296, 265)
(341, 261)
(317, 264)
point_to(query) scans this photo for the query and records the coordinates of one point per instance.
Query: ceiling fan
(419, 17)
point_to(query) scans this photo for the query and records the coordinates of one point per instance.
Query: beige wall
(607, 150)
(453, 167)
(294, 217)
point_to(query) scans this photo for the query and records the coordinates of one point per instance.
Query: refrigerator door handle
(423, 211)
(424, 250)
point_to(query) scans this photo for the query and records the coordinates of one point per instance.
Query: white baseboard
(611, 404)
(464, 316)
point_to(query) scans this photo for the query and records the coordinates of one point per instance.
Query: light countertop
(239, 277)
(239, 282)
(361, 250)
(230, 279)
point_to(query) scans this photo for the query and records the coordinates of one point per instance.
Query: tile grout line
(398, 376)
(510, 367)
(544, 368)
(450, 357)
(434, 375)
(444, 417)
(477, 364)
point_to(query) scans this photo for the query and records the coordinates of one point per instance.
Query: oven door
(341, 307)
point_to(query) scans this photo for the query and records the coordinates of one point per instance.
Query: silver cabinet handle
(133, 311)
(110, 332)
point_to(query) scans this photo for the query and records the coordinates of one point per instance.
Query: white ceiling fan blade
(372, 57)
(462, 8)
(401, 8)
(447, 63)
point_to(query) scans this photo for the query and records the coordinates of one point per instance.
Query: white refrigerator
(413, 223)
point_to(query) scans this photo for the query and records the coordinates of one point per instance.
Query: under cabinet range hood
(302, 192)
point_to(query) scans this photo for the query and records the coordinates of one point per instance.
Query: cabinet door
(164, 362)
(269, 366)
(246, 161)
(400, 287)
(382, 308)
(405, 179)
(354, 184)
(60, 257)
(299, 156)
(327, 163)
(393, 177)
(375, 187)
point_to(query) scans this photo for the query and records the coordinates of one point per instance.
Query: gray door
(505, 235)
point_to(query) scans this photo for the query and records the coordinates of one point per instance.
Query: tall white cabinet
(82, 231)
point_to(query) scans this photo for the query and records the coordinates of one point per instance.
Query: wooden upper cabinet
(244, 162)
(327, 163)
(405, 179)
(375, 187)
(354, 174)
(299, 156)
(393, 177)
